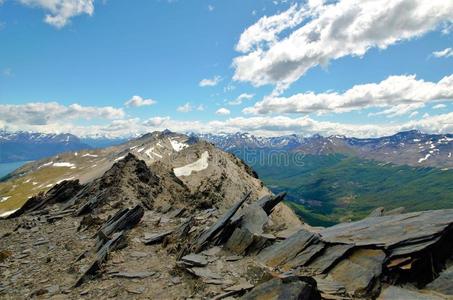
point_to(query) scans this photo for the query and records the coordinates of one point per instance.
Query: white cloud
(41, 113)
(400, 94)
(262, 125)
(61, 11)
(223, 111)
(200, 107)
(439, 106)
(185, 108)
(241, 98)
(136, 101)
(210, 82)
(320, 32)
(447, 52)
(211, 7)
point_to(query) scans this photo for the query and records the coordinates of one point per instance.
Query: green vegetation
(327, 189)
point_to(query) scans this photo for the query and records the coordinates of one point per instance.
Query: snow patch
(141, 149)
(424, 158)
(177, 146)
(61, 180)
(199, 165)
(89, 155)
(151, 151)
(45, 165)
(4, 199)
(64, 164)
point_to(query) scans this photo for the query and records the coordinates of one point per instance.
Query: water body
(6, 168)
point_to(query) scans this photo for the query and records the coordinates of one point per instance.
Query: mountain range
(170, 216)
(26, 146)
(336, 179)
(404, 148)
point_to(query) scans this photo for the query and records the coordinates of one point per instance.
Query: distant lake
(6, 168)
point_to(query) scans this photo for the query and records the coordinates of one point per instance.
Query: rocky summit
(167, 216)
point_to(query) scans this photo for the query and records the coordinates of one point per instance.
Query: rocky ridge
(139, 231)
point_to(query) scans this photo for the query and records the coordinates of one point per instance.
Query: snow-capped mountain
(410, 147)
(22, 146)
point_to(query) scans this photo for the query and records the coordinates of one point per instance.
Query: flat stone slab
(195, 260)
(305, 256)
(397, 293)
(328, 258)
(287, 249)
(276, 289)
(204, 273)
(390, 231)
(155, 238)
(359, 272)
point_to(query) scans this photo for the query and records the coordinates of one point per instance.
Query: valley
(337, 179)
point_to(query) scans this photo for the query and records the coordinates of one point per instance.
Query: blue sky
(71, 65)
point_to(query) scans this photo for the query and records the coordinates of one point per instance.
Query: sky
(112, 68)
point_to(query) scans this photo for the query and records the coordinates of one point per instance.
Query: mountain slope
(213, 178)
(25, 146)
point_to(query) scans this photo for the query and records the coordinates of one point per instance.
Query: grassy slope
(348, 188)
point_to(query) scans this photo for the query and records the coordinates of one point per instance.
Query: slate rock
(391, 231)
(195, 260)
(240, 240)
(287, 249)
(245, 286)
(204, 273)
(328, 258)
(360, 271)
(156, 238)
(204, 239)
(305, 256)
(254, 219)
(398, 293)
(288, 289)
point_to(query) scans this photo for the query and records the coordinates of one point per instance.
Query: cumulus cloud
(42, 113)
(241, 98)
(280, 49)
(400, 94)
(223, 111)
(261, 125)
(55, 117)
(137, 101)
(184, 108)
(447, 52)
(61, 11)
(210, 82)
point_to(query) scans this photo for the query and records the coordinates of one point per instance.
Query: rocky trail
(140, 232)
